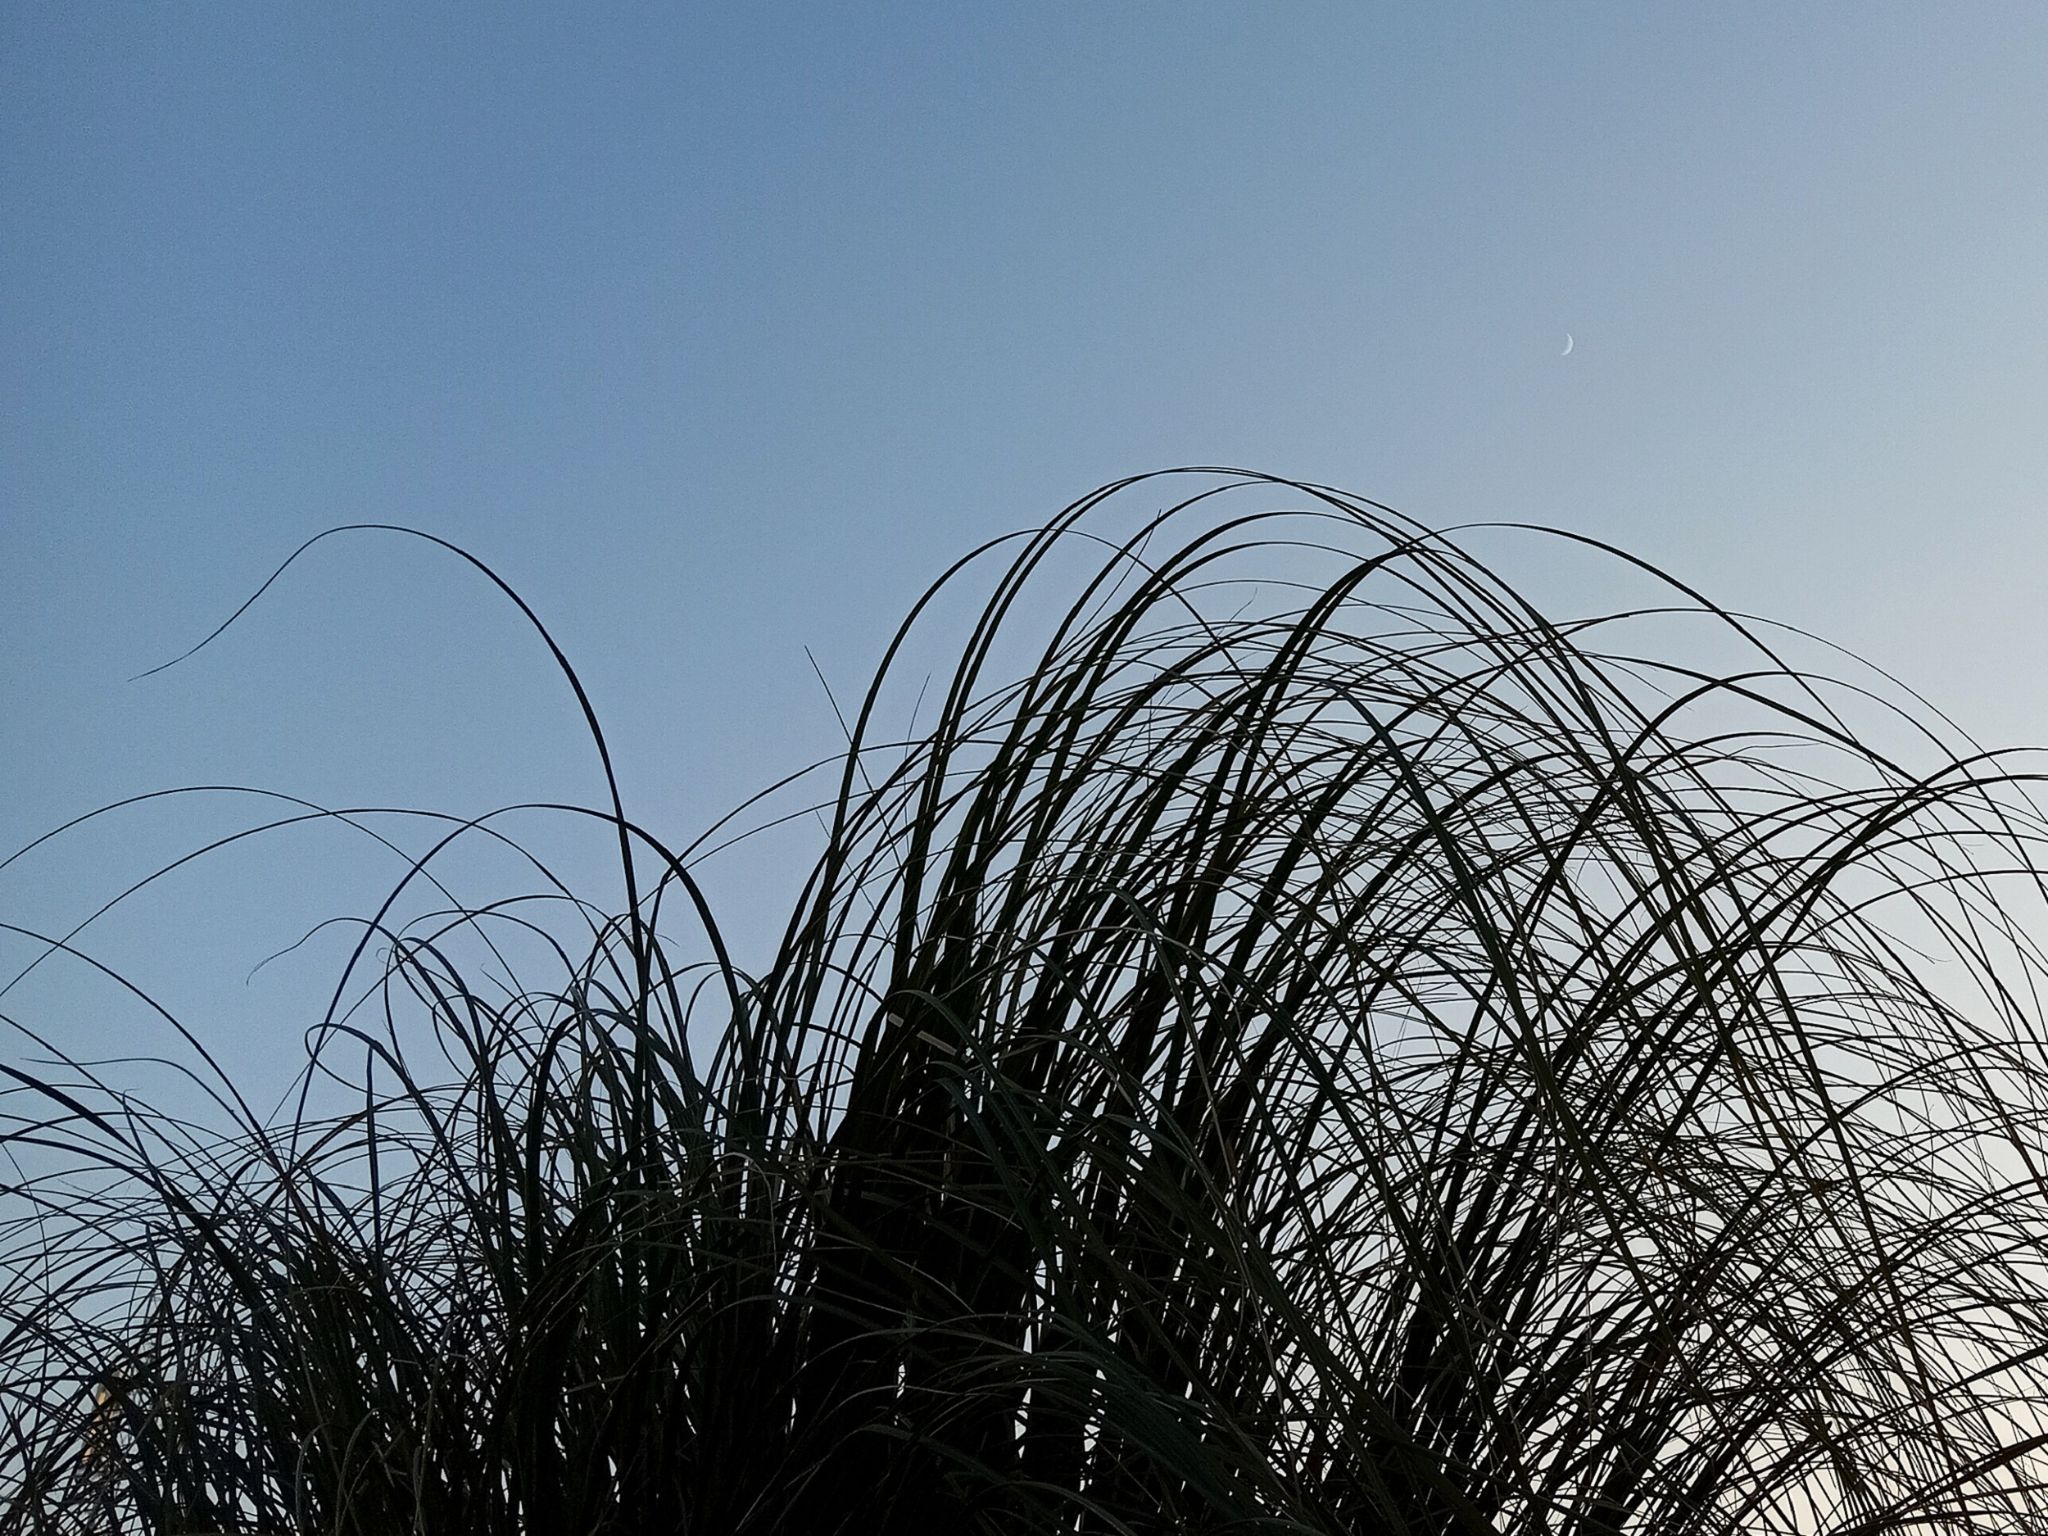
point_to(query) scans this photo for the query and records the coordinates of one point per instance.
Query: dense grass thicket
(1296, 1041)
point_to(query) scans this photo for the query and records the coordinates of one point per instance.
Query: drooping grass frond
(1302, 1042)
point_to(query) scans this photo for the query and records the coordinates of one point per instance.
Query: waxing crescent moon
(1567, 352)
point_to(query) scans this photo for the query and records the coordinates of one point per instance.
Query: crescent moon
(1567, 352)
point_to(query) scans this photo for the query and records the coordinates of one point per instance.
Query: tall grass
(1299, 1042)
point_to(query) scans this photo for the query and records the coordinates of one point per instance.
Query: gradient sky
(717, 329)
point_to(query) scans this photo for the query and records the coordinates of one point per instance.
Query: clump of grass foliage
(1316, 1046)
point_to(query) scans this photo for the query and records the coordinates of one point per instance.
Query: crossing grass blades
(1298, 1041)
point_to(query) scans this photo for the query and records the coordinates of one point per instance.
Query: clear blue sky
(716, 329)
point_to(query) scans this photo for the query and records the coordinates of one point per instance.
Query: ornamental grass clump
(1300, 1041)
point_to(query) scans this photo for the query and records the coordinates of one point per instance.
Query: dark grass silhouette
(1345, 1055)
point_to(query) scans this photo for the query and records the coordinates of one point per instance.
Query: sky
(716, 331)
